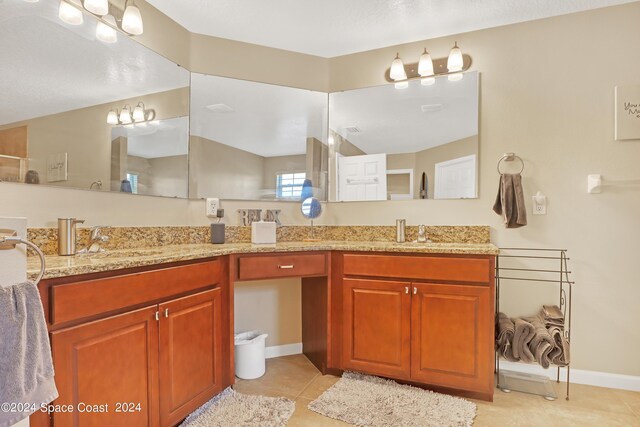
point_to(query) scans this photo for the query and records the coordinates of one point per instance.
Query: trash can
(249, 354)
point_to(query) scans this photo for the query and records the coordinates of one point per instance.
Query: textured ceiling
(337, 27)
(392, 120)
(48, 67)
(267, 120)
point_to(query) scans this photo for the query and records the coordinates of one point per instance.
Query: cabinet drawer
(439, 268)
(264, 267)
(92, 297)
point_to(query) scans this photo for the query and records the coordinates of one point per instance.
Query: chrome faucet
(422, 234)
(95, 240)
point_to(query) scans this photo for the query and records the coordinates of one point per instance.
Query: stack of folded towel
(534, 339)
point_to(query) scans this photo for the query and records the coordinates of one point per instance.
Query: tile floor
(296, 378)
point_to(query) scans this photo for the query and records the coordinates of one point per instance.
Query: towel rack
(9, 240)
(510, 157)
(550, 266)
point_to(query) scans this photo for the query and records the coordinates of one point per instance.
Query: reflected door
(456, 179)
(362, 177)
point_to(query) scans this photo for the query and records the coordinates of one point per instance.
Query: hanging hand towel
(26, 368)
(510, 201)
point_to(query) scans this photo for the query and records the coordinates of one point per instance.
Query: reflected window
(289, 185)
(133, 179)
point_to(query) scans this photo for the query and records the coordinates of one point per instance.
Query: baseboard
(578, 376)
(282, 350)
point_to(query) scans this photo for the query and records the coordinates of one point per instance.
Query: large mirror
(256, 141)
(62, 94)
(398, 143)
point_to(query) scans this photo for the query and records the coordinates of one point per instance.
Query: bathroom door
(362, 177)
(456, 179)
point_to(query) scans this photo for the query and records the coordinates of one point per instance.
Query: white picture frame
(57, 167)
(627, 112)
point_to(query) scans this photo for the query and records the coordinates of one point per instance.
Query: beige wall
(540, 99)
(279, 164)
(168, 175)
(547, 94)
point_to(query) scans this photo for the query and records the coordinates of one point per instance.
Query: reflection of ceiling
(48, 67)
(160, 138)
(337, 27)
(263, 119)
(391, 120)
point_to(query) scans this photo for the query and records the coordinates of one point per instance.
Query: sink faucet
(95, 239)
(422, 234)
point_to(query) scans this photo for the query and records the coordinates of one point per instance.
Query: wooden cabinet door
(452, 336)
(111, 363)
(190, 354)
(377, 330)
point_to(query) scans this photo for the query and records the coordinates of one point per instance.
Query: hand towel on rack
(552, 315)
(560, 354)
(26, 371)
(510, 201)
(542, 343)
(523, 334)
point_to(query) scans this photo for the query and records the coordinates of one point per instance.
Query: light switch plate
(212, 206)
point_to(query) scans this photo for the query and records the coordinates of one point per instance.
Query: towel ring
(10, 242)
(509, 157)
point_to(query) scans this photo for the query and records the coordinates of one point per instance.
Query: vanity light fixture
(97, 7)
(427, 69)
(132, 20)
(139, 116)
(69, 12)
(107, 33)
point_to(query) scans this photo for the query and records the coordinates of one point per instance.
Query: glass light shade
(32, 1)
(425, 66)
(427, 81)
(132, 21)
(401, 85)
(397, 71)
(455, 77)
(125, 115)
(112, 118)
(98, 7)
(105, 33)
(455, 61)
(70, 14)
(138, 114)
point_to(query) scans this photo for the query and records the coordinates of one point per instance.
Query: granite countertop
(60, 266)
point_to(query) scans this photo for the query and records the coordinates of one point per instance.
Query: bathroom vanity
(155, 341)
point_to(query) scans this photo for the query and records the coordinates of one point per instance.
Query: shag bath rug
(230, 408)
(369, 401)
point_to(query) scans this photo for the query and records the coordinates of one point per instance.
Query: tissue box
(263, 232)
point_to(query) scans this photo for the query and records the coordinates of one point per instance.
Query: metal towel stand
(11, 241)
(549, 274)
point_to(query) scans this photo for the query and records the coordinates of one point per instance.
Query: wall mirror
(63, 92)
(394, 143)
(256, 141)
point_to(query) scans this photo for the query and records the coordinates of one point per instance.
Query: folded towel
(560, 354)
(524, 333)
(504, 339)
(26, 368)
(510, 201)
(542, 343)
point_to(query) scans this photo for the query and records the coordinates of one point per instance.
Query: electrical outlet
(539, 204)
(212, 206)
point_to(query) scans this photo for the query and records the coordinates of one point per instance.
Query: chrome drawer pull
(166, 312)
(415, 290)
(285, 267)
(406, 289)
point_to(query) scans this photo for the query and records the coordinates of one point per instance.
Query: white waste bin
(249, 354)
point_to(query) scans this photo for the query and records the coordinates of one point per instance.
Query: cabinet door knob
(166, 312)
(415, 290)
(406, 289)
